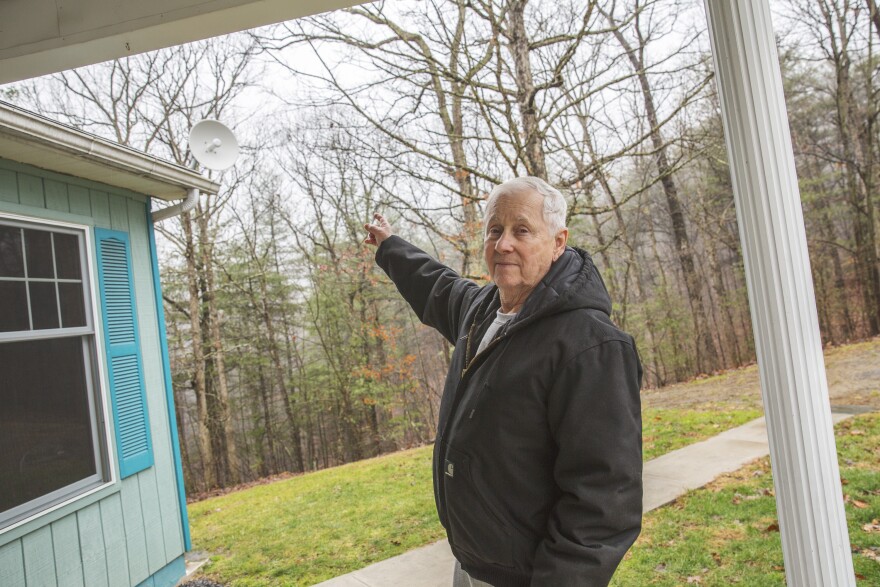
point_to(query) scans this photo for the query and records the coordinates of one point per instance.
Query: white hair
(555, 206)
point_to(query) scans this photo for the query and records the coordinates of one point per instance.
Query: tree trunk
(231, 462)
(856, 162)
(706, 352)
(203, 434)
(221, 425)
(268, 464)
(278, 372)
(532, 140)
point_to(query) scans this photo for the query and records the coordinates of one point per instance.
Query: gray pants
(461, 579)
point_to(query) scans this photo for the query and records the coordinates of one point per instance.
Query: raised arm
(437, 294)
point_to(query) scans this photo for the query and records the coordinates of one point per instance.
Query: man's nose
(504, 244)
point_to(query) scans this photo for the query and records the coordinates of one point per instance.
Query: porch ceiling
(38, 37)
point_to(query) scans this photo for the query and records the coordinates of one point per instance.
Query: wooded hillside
(290, 349)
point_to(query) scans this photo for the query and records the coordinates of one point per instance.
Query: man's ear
(559, 244)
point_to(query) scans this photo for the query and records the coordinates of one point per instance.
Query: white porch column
(809, 500)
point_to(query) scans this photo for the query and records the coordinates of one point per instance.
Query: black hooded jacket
(538, 460)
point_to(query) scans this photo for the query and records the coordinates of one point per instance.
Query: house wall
(130, 532)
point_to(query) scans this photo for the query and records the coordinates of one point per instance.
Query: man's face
(518, 246)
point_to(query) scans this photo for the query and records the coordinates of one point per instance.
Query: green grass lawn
(728, 532)
(310, 528)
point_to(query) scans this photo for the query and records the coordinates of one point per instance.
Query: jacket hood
(573, 282)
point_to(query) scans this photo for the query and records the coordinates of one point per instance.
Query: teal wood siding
(129, 532)
(39, 557)
(91, 540)
(113, 530)
(65, 542)
(11, 564)
(8, 186)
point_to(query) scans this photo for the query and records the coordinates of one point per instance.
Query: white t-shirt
(500, 320)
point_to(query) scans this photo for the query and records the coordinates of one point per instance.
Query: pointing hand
(379, 230)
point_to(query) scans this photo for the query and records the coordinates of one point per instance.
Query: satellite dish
(213, 144)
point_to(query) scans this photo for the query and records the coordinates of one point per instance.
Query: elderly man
(537, 461)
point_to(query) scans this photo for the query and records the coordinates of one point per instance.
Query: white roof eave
(28, 138)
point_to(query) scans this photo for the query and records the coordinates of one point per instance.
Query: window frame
(96, 381)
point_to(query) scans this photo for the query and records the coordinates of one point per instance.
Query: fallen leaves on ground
(857, 503)
(871, 553)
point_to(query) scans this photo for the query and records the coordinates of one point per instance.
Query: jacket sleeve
(436, 293)
(595, 418)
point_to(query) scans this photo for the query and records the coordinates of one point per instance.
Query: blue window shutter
(119, 315)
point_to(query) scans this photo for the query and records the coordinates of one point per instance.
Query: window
(51, 440)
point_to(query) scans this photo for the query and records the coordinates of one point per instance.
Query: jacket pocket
(476, 531)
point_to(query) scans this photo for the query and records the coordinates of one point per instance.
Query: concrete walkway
(666, 478)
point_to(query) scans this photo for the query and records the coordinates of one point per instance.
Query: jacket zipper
(489, 346)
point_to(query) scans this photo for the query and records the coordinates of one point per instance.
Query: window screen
(50, 442)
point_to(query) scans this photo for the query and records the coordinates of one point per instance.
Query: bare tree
(842, 38)
(635, 49)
